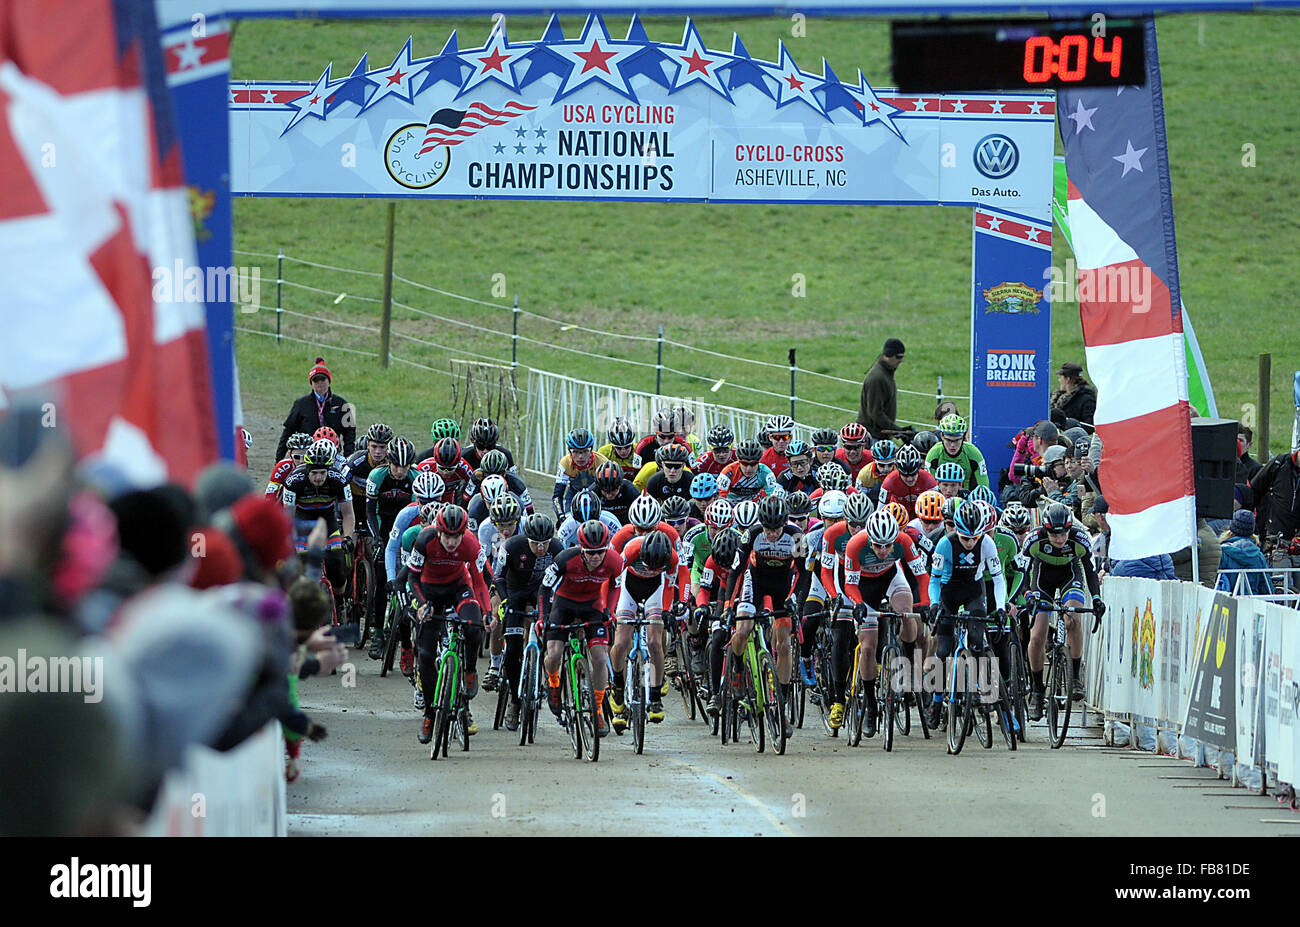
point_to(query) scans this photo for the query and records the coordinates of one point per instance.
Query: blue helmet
(704, 486)
(580, 439)
(950, 472)
(984, 494)
(883, 450)
(968, 520)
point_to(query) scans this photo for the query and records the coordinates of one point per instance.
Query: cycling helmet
(923, 441)
(593, 535)
(320, 455)
(772, 512)
(585, 506)
(493, 488)
(857, 508)
(952, 425)
(950, 472)
(326, 433)
(726, 544)
(721, 436)
(609, 477)
(853, 435)
(929, 505)
(675, 509)
(780, 424)
(579, 439)
(950, 508)
(452, 520)
(684, 417)
(401, 453)
(298, 442)
(968, 520)
(507, 508)
(882, 528)
(824, 437)
(908, 460)
(656, 551)
(673, 453)
(1016, 517)
(429, 511)
(1057, 517)
(704, 486)
(538, 527)
(746, 514)
(832, 477)
(428, 486)
(645, 512)
(897, 509)
(983, 494)
(444, 428)
(832, 504)
(1053, 454)
(446, 453)
(749, 451)
(797, 448)
(990, 515)
(379, 433)
(799, 503)
(884, 451)
(663, 421)
(621, 433)
(719, 514)
(494, 461)
(484, 433)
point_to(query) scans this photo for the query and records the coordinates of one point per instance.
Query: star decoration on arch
(447, 65)
(875, 109)
(352, 89)
(742, 70)
(495, 61)
(312, 103)
(793, 84)
(595, 58)
(698, 64)
(649, 60)
(542, 60)
(396, 80)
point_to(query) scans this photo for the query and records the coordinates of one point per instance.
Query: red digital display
(1067, 59)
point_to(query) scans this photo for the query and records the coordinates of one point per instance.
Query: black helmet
(379, 433)
(672, 453)
(507, 508)
(825, 437)
(585, 506)
(538, 527)
(950, 508)
(675, 508)
(656, 551)
(1057, 517)
(580, 439)
(452, 519)
(621, 433)
(923, 441)
(494, 461)
(720, 436)
(609, 476)
(446, 452)
(401, 453)
(799, 504)
(749, 451)
(484, 433)
(772, 512)
(726, 543)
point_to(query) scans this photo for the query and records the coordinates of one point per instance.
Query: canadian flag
(94, 198)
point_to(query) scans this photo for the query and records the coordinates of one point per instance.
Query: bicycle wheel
(959, 724)
(528, 684)
(1060, 681)
(462, 722)
(503, 702)
(983, 722)
(363, 584)
(391, 628)
(773, 709)
(636, 705)
(1019, 686)
(889, 700)
(587, 709)
(442, 714)
(726, 703)
(569, 711)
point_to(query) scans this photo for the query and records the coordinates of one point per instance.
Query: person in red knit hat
(321, 407)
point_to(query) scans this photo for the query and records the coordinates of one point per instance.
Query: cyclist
(831, 509)
(798, 475)
(457, 477)
(747, 477)
(317, 490)
(678, 513)
(961, 560)
(358, 466)
(720, 452)
(406, 585)
(388, 491)
(954, 448)
(583, 586)
(500, 526)
(853, 453)
(832, 571)
(621, 449)
(586, 506)
(480, 504)
(832, 479)
(483, 437)
(1012, 568)
(950, 478)
(520, 565)
(884, 454)
(1018, 520)
(771, 565)
(447, 563)
(780, 429)
(441, 428)
(1059, 562)
(297, 449)
(673, 477)
(684, 426)
(495, 463)
(704, 491)
(927, 527)
(697, 540)
(326, 433)
(616, 491)
(426, 488)
(824, 443)
(713, 582)
(881, 563)
(577, 469)
(907, 482)
(649, 579)
(665, 432)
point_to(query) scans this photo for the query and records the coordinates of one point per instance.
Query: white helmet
(645, 512)
(493, 488)
(831, 504)
(428, 486)
(882, 527)
(857, 508)
(746, 514)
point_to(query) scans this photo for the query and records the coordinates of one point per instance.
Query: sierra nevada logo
(1013, 298)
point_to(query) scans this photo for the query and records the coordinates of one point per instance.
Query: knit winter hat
(264, 529)
(318, 370)
(218, 559)
(1243, 523)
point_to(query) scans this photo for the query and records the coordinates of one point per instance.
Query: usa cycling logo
(996, 156)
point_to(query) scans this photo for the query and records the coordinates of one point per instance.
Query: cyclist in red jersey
(457, 476)
(665, 432)
(853, 452)
(780, 429)
(297, 448)
(907, 482)
(720, 453)
(651, 579)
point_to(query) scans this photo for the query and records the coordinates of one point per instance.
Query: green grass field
(871, 272)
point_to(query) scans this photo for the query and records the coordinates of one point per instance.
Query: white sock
(497, 659)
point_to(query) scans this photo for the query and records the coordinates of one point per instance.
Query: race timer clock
(932, 57)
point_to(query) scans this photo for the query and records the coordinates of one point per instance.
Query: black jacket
(1277, 492)
(1080, 405)
(339, 415)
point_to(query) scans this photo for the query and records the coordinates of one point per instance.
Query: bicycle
(1018, 686)
(823, 666)
(530, 686)
(962, 693)
(758, 702)
(360, 605)
(1060, 670)
(796, 704)
(894, 709)
(503, 688)
(398, 603)
(685, 679)
(636, 680)
(578, 698)
(451, 712)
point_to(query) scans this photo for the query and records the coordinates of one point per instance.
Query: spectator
(1034, 490)
(945, 407)
(879, 406)
(1207, 556)
(1095, 518)
(1277, 494)
(1076, 398)
(1240, 552)
(1160, 566)
(1247, 466)
(320, 408)
(1030, 445)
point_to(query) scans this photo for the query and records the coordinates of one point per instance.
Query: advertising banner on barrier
(1272, 686)
(1288, 741)
(1171, 631)
(1211, 710)
(1250, 639)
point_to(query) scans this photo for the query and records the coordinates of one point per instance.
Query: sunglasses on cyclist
(749, 463)
(826, 448)
(779, 435)
(667, 435)
(672, 466)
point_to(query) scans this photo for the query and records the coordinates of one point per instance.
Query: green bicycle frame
(577, 653)
(756, 639)
(449, 665)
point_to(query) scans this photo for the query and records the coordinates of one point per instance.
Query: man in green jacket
(879, 406)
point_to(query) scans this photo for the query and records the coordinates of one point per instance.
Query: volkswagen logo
(996, 156)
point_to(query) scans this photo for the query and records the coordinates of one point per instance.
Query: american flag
(452, 126)
(1122, 218)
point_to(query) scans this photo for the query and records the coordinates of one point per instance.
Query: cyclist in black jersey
(521, 563)
(616, 492)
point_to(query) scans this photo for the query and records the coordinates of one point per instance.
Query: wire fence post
(385, 326)
(1265, 384)
(792, 369)
(279, 303)
(659, 363)
(514, 335)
